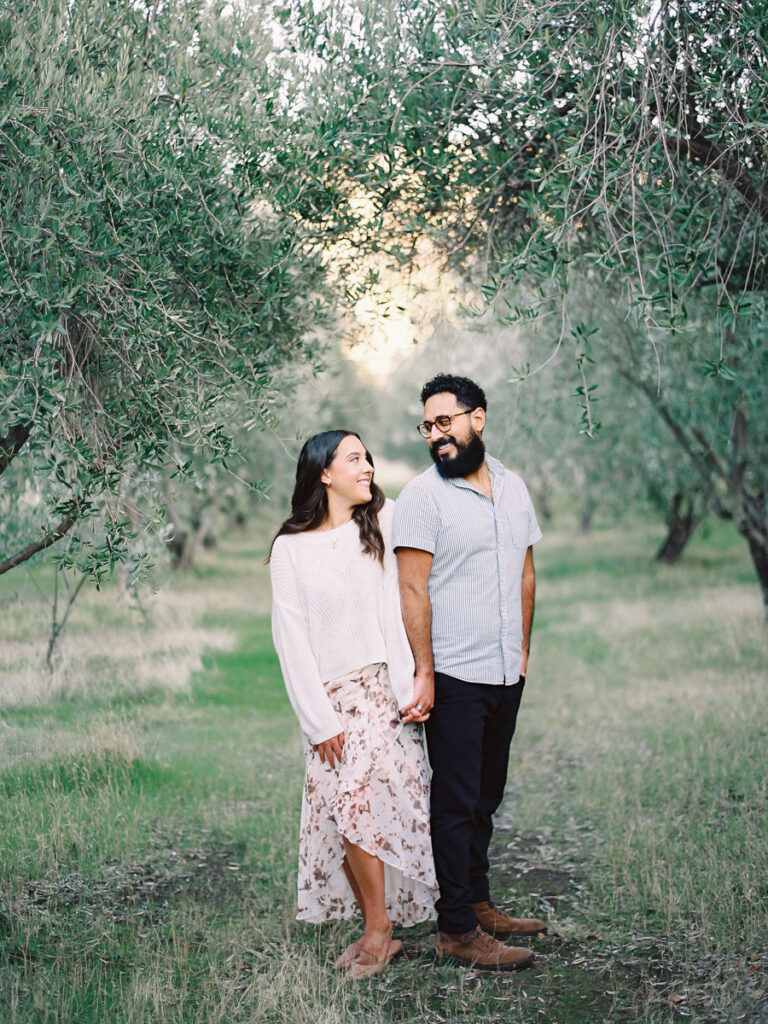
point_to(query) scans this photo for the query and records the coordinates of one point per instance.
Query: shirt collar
(495, 469)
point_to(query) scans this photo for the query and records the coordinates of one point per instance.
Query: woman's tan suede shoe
(366, 964)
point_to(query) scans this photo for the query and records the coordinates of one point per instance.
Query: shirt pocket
(517, 528)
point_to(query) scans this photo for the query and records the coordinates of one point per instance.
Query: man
(463, 532)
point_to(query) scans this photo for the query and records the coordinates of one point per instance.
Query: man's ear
(477, 419)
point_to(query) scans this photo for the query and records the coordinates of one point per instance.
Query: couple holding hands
(386, 617)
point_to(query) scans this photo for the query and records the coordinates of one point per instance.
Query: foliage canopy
(613, 150)
(146, 290)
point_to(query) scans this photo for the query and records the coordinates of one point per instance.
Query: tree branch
(710, 457)
(713, 158)
(704, 469)
(12, 443)
(40, 545)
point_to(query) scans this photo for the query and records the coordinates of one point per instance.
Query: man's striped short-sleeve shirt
(478, 548)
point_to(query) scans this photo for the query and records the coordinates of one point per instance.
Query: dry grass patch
(155, 881)
(114, 647)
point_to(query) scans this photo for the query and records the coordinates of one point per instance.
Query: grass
(150, 787)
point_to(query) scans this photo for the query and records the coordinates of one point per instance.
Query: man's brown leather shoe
(496, 922)
(479, 949)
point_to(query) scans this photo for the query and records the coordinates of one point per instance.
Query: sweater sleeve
(290, 634)
(400, 663)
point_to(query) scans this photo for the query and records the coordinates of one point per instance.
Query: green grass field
(150, 788)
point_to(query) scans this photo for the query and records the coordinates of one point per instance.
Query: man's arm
(528, 593)
(413, 568)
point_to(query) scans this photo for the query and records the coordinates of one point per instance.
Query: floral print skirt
(378, 798)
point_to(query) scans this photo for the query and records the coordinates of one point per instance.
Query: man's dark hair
(468, 394)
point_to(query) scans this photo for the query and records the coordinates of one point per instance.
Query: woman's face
(349, 475)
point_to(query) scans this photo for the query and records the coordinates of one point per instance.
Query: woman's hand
(330, 748)
(423, 699)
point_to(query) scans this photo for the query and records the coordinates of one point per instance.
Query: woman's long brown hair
(309, 503)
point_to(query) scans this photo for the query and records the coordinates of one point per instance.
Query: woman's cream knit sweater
(336, 609)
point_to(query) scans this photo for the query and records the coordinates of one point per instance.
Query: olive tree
(552, 144)
(149, 288)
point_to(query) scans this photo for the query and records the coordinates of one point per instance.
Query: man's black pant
(468, 732)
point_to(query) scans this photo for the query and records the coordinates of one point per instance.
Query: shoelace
(483, 938)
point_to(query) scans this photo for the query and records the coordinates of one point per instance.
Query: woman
(348, 668)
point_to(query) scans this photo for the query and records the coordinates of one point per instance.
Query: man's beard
(468, 458)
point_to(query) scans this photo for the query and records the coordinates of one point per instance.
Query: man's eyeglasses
(443, 423)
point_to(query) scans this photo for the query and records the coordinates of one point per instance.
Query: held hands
(423, 699)
(330, 749)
